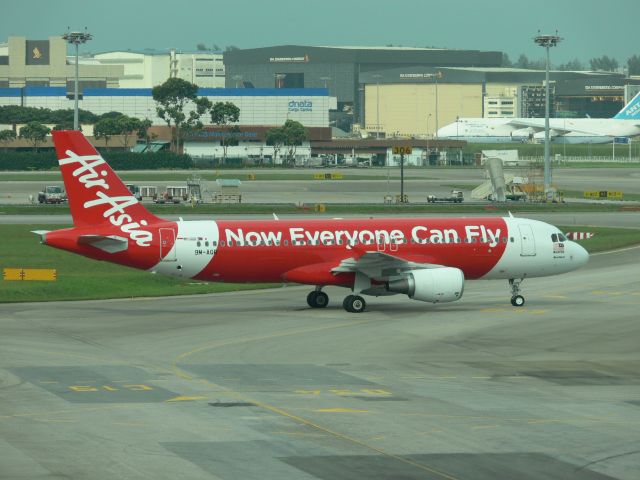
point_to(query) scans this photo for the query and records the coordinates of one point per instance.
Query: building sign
(303, 59)
(300, 106)
(37, 52)
(603, 87)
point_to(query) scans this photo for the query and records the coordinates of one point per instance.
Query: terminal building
(411, 92)
(259, 106)
(45, 63)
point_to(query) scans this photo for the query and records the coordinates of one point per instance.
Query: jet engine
(435, 285)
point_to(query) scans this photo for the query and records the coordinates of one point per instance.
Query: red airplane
(428, 259)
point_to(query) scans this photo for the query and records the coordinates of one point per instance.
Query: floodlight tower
(547, 41)
(76, 38)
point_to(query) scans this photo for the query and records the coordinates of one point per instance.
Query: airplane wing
(107, 243)
(383, 266)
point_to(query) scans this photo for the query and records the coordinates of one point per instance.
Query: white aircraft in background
(561, 130)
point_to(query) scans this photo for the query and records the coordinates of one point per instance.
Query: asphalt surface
(422, 183)
(255, 385)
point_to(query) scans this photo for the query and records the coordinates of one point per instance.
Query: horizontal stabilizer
(106, 243)
(41, 233)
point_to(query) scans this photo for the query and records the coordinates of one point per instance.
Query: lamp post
(547, 41)
(427, 152)
(237, 78)
(76, 38)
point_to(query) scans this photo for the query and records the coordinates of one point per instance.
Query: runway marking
(296, 418)
(484, 427)
(307, 392)
(183, 398)
(483, 378)
(340, 410)
(55, 420)
(561, 297)
(61, 412)
(301, 434)
(615, 251)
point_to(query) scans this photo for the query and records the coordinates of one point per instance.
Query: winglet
(275, 217)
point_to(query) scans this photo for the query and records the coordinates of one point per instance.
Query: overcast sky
(591, 28)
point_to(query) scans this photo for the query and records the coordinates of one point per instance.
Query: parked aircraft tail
(631, 111)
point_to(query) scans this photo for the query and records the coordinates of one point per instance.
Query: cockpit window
(562, 237)
(554, 237)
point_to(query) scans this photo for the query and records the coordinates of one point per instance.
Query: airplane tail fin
(631, 111)
(96, 194)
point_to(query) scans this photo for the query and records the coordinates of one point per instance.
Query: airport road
(421, 183)
(255, 385)
(599, 219)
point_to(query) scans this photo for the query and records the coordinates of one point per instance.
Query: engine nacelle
(435, 285)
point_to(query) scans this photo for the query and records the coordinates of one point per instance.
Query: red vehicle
(428, 259)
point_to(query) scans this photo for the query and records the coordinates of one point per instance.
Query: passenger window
(286, 243)
(199, 244)
(512, 240)
(213, 244)
(230, 243)
(206, 244)
(222, 243)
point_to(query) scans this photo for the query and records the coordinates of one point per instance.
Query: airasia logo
(91, 177)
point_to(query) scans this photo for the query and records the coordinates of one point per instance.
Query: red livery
(428, 259)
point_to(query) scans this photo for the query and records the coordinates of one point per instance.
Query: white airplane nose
(579, 255)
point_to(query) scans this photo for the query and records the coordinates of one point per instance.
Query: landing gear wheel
(317, 299)
(354, 304)
(517, 300)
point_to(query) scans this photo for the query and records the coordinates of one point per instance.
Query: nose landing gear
(517, 300)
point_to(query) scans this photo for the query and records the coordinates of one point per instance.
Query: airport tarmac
(255, 385)
(418, 184)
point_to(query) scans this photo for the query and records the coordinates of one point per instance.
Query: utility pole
(76, 38)
(547, 41)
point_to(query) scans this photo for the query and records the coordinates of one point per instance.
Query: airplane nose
(580, 255)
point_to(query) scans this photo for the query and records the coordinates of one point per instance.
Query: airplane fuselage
(306, 251)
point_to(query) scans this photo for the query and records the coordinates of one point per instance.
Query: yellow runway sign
(36, 274)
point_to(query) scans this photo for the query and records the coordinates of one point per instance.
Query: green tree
(634, 65)
(143, 131)
(7, 136)
(34, 132)
(294, 134)
(572, 65)
(127, 126)
(224, 114)
(173, 97)
(604, 63)
(506, 62)
(65, 125)
(105, 129)
(275, 138)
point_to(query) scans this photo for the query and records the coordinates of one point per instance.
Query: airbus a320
(427, 259)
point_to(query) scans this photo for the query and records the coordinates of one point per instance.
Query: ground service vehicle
(52, 194)
(456, 196)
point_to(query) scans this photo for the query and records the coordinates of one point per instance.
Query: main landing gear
(317, 299)
(351, 303)
(517, 300)
(354, 304)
